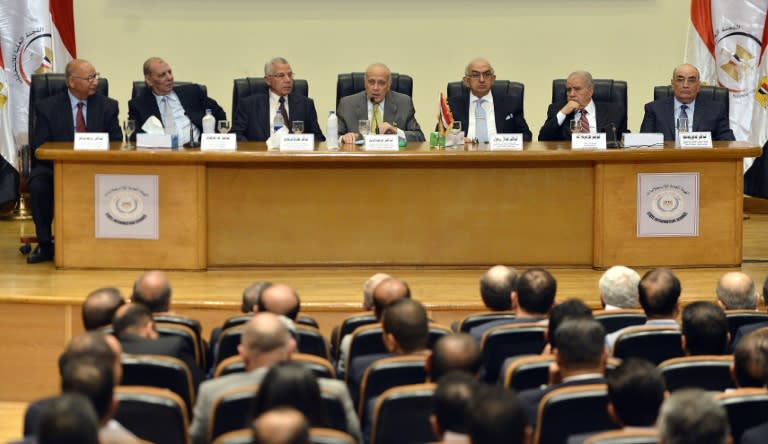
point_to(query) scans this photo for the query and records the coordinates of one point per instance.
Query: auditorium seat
(160, 371)
(239, 436)
(708, 372)
(656, 344)
(475, 319)
(311, 341)
(353, 82)
(746, 408)
(230, 410)
(187, 328)
(716, 93)
(247, 86)
(385, 374)
(322, 435)
(153, 414)
(525, 372)
(232, 364)
(504, 341)
(739, 318)
(229, 339)
(614, 320)
(348, 325)
(140, 87)
(572, 410)
(401, 415)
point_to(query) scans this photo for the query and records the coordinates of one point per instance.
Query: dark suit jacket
(755, 435)
(530, 398)
(708, 115)
(398, 110)
(173, 346)
(743, 331)
(53, 121)
(192, 98)
(356, 370)
(608, 114)
(509, 116)
(253, 120)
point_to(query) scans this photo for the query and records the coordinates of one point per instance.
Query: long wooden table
(546, 205)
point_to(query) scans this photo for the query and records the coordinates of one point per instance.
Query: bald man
(280, 299)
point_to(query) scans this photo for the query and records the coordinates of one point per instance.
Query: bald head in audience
(659, 294)
(388, 291)
(283, 425)
(94, 345)
(280, 299)
(368, 288)
(496, 287)
(265, 341)
(100, 306)
(153, 290)
(457, 352)
(736, 291)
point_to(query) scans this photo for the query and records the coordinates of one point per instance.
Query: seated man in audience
(496, 287)
(496, 415)
(265, 341)
(256, 113)
(496, 114)
(750, 360)
(659, 294)
(456, 352)
(100, 306)
(450, 405)
(592, 116)
(703, 114)
(693, 416)
(179, 107)
(636, 390)
(136, 330)
(580, 357)
(69, 418)
(747, 329)
(153, 290)
(248, 305)
(280, 299)
(389, 112)
(568, 309)
(283, 425)
(368, 287)
(618, 288)
(705, 329)
(57, 118)
(736, 291)
(531, 301)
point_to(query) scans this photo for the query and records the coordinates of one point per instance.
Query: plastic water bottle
(209, 122)
(332, 130)
(278, 122)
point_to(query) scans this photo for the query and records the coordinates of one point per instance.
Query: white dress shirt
(591, 116)
(179, 117)
(490, 116)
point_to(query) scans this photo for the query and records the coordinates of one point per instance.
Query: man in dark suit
(388, 111)
(135, 328)
(57, 118)
(580, 357)
(177, 107)
(256, 112)
(706, 115)
(500, 113)
(749, 328)
(600, 116)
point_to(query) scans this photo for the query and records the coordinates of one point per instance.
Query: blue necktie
(481, 124)
(684, 114)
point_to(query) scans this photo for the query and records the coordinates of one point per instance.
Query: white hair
(618, 287)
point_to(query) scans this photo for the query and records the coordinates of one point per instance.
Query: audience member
(291, 384)
(693, 416)
(154, 291)
(251, 294)
(456, 352)
(495, 415)
(282, 425)
(569, 309)
(618, 288)
(100, 306)
(280, 299)
(496, 287)
(750, 360)
(736, 291)
(368, 287)
(746, 329)
(704, 329)
(68, 419)
(450, 406)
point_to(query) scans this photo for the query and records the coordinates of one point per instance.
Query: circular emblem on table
(667, 205)
(126, 206)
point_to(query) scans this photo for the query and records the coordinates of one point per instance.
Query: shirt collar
(488, 97)
(73, 101)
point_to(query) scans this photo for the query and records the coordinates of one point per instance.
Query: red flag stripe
(701, 18)
(63, 17)
(2, 62)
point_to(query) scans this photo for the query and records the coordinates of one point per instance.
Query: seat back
(526, 372)
(739, 318)
(322, 435)
(514, 90)
(153, 414)
(139, 87)
(45, 85)
(229, 339)
(348, 325)
(629, 436)
(160, 371)
(716, 93)
(240, 436)
(353, 82)
(614, 320)
(247, 86)
(236, 320)
(499, 343)
(366, 340)
(656, 344)
(311, 341)
(606, 90)
(320, 367)
(233, 364)
(231, 410)
(335, 412)
(387, 373)
(572, 410)
(710, 373)
(473, 320)
(746, 408)
(187, 328)
(401, 415)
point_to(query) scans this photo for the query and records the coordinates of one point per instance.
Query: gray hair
(736, 290)
(274, 61)
(618, 287)
(478, 59)
(379, 64)
(587, 77)
(693, 416)
(369, 286)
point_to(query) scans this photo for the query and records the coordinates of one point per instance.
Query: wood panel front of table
(547, 205)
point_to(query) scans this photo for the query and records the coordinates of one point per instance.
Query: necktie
(684, 114)
(79, 119)
(376, 119)
(481, 124)
(170, 123)
(584, 122)
(283, 112)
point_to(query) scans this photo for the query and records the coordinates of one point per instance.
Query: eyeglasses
(689, 80)
(477, 75)
(282, 75)
(89, 78)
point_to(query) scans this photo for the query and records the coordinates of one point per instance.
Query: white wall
(531, 41)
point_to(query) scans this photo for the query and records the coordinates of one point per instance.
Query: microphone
(611, 136)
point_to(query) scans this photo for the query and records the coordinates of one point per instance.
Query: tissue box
(144, 140)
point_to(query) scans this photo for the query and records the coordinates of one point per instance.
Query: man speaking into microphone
(591, 116)
(388, 112)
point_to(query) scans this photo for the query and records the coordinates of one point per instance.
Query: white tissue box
(144, 140)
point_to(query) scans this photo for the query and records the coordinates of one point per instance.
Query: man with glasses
(702, 114)
(389, 112)
(256, 112)
(496, 113)
(57, 118)
(592, 117)
(177, 106)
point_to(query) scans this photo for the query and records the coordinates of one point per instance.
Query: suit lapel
(262, 109)
(294, 108)
(498, 112)
(151, 104)
(667, 118)
(390, 109)
(68, 119)
(95, 111)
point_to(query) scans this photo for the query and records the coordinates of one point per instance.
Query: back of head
(705, 329)
(406, 320)
(371, 285)
(266, 340)
(568, 309)
(736, 291)
(100, 306)
(89, 345)
(93, 379)
(496, 287)
(131, 318)
(68, 419)
(153, 290)
(496, 415)
(692, 416)
(456, 352)
(280, 299)
(580, 344)
(251, 296)
(636, 390)
(659, 291)
(282, 425)
(618, 287)
(536, 290)
(750, 359)
(452, 396)
(388, 291)
(291, 384)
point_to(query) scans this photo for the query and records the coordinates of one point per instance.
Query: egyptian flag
(756, 178)
(444, 115)
(9, 176)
